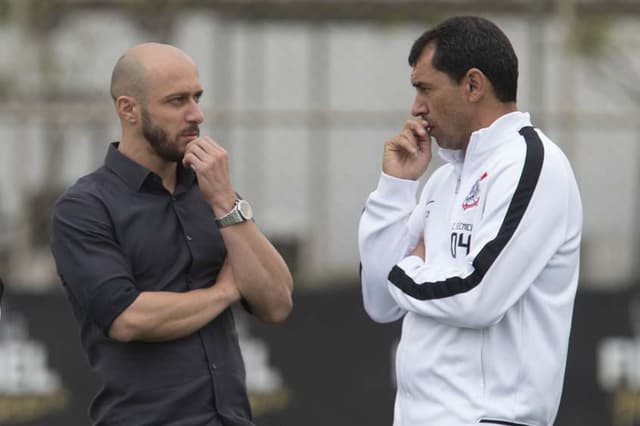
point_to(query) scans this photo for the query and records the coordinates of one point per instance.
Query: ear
(476, 84)
(127, 109)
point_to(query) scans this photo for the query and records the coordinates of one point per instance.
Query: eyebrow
(420, 85)
(183, 95)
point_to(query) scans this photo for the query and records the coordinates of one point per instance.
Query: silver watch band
(231, 217)
(240, 212)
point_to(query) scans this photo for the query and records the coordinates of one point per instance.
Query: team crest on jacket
(473, 197)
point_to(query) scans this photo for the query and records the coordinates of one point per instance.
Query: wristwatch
(240, 212)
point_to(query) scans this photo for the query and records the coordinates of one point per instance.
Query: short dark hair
(465, 42)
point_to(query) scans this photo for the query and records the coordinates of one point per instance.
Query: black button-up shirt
(117, 232)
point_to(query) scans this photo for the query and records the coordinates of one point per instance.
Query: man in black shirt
(154, 247)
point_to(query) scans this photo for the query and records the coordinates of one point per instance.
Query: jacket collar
(488, 138)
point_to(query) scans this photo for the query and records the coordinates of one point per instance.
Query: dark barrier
(327, 365)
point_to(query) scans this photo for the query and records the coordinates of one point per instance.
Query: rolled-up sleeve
(89, 260)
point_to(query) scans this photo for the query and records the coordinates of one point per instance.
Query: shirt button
(213, 366)
(189, 237)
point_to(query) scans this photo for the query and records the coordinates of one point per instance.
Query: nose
(419, 107)
(194, 114)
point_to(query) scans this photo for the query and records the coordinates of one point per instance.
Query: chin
(447, 144)
(442, 144)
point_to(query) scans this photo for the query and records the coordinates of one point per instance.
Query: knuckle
(397, 140)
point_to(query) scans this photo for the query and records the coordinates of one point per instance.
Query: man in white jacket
(483, 268)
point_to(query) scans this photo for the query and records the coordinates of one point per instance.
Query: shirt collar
(186, 178)
(134, 174)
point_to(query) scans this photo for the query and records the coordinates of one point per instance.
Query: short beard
(159, 139)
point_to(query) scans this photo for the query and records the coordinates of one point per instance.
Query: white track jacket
(487, 314)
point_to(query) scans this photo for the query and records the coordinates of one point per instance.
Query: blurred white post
(536, 30)
(567, 18)
(318, 161)
(254, 129)
(222, 81)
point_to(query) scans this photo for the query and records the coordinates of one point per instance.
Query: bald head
(134, 70)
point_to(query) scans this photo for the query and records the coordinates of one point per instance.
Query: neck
(140, 151)
(489, 115)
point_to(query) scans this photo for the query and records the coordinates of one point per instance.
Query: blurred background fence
(303, 93)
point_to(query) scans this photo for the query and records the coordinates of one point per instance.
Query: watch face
(245, 209)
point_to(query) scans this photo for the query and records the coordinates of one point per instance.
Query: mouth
(191, 134)
(429, 128)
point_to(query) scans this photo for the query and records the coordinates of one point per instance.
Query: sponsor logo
(473, 197)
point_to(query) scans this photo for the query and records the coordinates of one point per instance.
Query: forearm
(162, 316)
(261, 275)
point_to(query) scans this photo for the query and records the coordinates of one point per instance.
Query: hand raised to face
(407, 155)
(210, 161)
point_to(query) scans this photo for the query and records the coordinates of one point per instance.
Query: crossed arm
(262, 279)
(156, 316)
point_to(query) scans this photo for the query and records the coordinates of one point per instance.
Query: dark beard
(159, 139)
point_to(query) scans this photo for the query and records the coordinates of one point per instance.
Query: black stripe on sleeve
(491, 251)
(501, 422)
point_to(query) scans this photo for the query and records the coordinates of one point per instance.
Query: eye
(178, 100)
(422, 90)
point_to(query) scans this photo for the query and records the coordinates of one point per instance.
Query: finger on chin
(210, 143)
